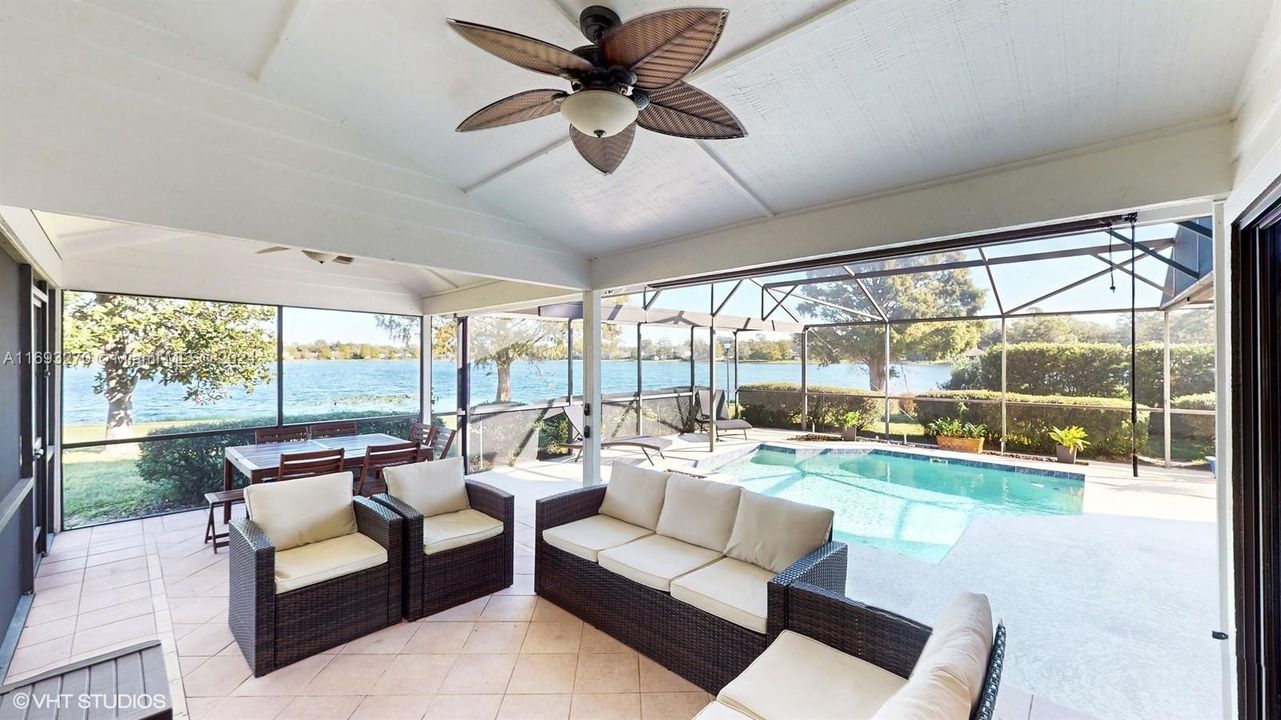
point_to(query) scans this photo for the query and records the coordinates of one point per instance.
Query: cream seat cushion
(587, 537)
(699, 511)
(456, 529)
(798, 677)
(319, 561)
(716, 710)
(293, 513)
(957, 651)
(774, 533)
(634, 495)
(729, 589)
(655, 560)
(432, 488)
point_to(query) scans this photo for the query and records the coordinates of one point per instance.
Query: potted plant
(853, 421)
(1068, 442)
(953, 434)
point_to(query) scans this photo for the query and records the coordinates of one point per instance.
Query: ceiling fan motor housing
(595, 20)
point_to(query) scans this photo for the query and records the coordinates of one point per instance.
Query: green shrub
(955, 428)
(778, 405)
(1193, 427)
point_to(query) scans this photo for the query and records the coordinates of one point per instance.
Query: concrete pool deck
(1109, 612)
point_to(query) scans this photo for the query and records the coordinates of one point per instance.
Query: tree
(925, 294)
(501, 341)
(208, 347)
(1047, 328)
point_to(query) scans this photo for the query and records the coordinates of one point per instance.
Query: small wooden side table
(220, 498)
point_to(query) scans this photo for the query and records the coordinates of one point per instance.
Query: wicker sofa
(690, 572)
(842, 659)
(458, 534)
(311, 568)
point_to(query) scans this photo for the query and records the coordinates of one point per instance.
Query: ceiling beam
(288, 32)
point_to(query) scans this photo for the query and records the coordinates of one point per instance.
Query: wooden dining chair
(436, 450)
(423, 434)
(333, 429)
(307, 464)
(378, 457)
(289, 433)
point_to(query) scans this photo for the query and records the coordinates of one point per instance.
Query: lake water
(392, 386)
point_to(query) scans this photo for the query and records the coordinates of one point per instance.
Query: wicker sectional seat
(693, 573)
(840, 659)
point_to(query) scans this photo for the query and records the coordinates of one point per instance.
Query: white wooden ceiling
(841, 98)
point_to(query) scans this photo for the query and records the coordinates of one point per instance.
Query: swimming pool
(909, 503)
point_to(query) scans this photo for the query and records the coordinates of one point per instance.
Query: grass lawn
(103, 488)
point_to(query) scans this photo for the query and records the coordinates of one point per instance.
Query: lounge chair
(574, 413)
(724, 423)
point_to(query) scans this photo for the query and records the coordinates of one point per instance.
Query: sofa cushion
(716, 710)
(774, 533)
(319, 561)
(432, 488)
(634, 495)
(958, 649)
(587, 537)
(655, 560)
(729, 589)
(699, 511)
(456, 529)
(293, 513)
(931, 696)
(798, 677)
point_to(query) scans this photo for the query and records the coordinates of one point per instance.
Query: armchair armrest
(825, 566)
(566, 507)
(252, 594)
(385, 527)
(878, 636)
(493, 502)
(411, 597)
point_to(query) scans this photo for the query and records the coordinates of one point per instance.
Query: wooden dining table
(262, 461)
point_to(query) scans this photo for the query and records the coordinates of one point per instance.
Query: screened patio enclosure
(1100, 324)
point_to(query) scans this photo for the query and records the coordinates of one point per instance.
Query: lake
(315, 387)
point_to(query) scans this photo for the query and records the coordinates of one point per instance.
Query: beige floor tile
(55, 595)
(58, 611)
(188, 663)
(548, 611)
(656, 678)
(113, 613)
(349, 675)
(479, 675)
(114, 634)
(71, 577)
(438, 637)
(44, 632)
(388, 641)
(488, 638)
(107, 583)
(58, 566)
(508, 608)
(197, 609)
(608, 673)
(312, 707)
(130, 551)
(392, 707)
(553, 637)
(596, 641)
(208, 639)
(216, 677)
(39, 655)
(521, 585)
(542, 674)
(289, 680)
(98, 601)
(126, 565)
(466, 611)
(464, 707)
(534, 707)
(199, 708)
(605, 706)
(414, 675)
(247, 708)
(672, 706)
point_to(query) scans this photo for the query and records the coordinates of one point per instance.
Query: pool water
(911, 504)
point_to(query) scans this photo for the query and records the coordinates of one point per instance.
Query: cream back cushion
(432, 488)
(299, 512)
(773, 533)
(931, 696)
(700, 512)
(957, 651)
(634, 495)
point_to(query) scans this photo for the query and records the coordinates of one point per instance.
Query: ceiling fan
(320, 257)
(631, 74)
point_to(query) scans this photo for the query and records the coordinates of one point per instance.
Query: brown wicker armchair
(279, 614)
(703, 648)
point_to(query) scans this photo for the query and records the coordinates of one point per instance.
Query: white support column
(591, 388)
(425, 369)
(1165, 383)
(1223, 451)
(1005, 411)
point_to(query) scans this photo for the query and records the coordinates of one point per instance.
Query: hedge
(1088, 370)
(778, 404)
(184, 469)
(1193, 427)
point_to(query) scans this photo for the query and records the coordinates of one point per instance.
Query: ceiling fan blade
(273, 249)
(607, 153)
(527, 52)
(513, 109)
(685, 111)
(344, 260)
(665, 46)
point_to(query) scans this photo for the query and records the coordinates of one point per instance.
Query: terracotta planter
(970, 445)
(849, 434)
(1065, 454)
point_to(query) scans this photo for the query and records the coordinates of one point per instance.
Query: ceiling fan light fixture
(600, 113)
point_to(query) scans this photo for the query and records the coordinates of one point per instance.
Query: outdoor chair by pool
(840, 659)
(333, 429)
(724, 423)
(646, 443)
(311, 568)
(458, 535)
